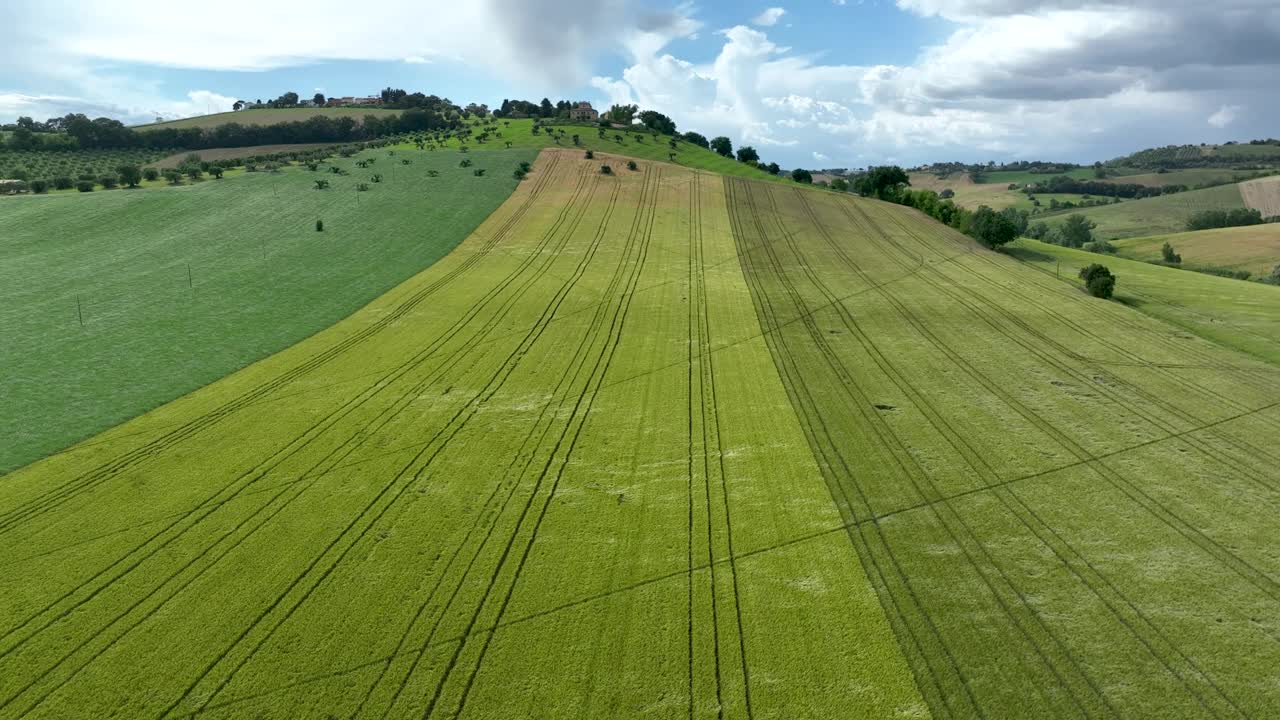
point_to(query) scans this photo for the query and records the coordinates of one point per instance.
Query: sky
(820, 83)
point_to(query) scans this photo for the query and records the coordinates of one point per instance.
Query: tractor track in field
(711, 445)
(1022, 616)
(56, 496)
(1264, 458)
(641, 235)
(911, 639)
(378, 386)
(1261, 456)
(974, 459)
(1223, 555)
(492, 526)
(210, 505)
(453, 426)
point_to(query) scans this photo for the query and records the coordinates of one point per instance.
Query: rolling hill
(668, 443)
(116, 302)
(1153, 216)
(266, 116)
(1255, 248)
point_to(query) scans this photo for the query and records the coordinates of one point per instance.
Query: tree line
(1064, 184)
(77, 130)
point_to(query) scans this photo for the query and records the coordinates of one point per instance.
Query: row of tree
(1064, 184)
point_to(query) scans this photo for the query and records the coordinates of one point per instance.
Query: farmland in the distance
(1155, 216)
(1253, 248)
(267, 116)
(664, 444)
(114, 302)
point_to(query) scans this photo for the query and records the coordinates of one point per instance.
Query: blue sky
(821, 83)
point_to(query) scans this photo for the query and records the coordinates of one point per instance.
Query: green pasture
(179, 286)
(1157, 215)
(1253, 248)
(1237, 314)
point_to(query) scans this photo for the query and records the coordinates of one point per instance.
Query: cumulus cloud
(1077, 79)
(769, 17)
(1224, 116)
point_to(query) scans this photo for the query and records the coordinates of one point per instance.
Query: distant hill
(1154, 216)
(266, 116)
(1254, 248)
(1253, 155)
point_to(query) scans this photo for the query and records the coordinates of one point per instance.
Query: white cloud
(417, 60)
(1224, 116)
(820, 157)
(769, 17)
(1072, 79)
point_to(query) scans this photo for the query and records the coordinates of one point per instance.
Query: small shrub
(1169, 256)
(525, 166)
(84, 185)
(150, 174)
(173, 176)
(518, 174)
(362, 187)
(433, 173)
(39, 187)
(631, 165)
(1100, 246)
(108, 181)
(319, 226)
(250, 167)
(63, 183)
(406, 161)
(377, 177)
(478, 172)
(465, 163)
(606, 170)
(322, 184)
(216, 171)
(591, 155)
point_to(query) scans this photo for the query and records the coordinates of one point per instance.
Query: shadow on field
(1027, 254)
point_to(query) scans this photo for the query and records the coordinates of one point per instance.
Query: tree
(545, 109)
(1098, 280)
(772, 168)
(318, 99)
(803, 176)
(884, 182)
(947, 194)
(991, 228)
(238, 105)
(606, 170)
(288, 99)
(722, 146)
(1076, 231)
(696, 139)
(173, 176)
(1169, 255)
(130, 175)
(216, 171)
(591, 155)
(840, 185)
(655, 120)
(631, 165)
(748, 154)
(622, 114)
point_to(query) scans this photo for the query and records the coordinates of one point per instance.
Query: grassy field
(1190, 177)
(1059, 499)
(1023, 177)
(1155, 216)
(526, 482)
(639, 145)
(1233, 313)
(839, 458)
(1263, 195)
(267, 116)
(260, 279)
(1255, 248)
